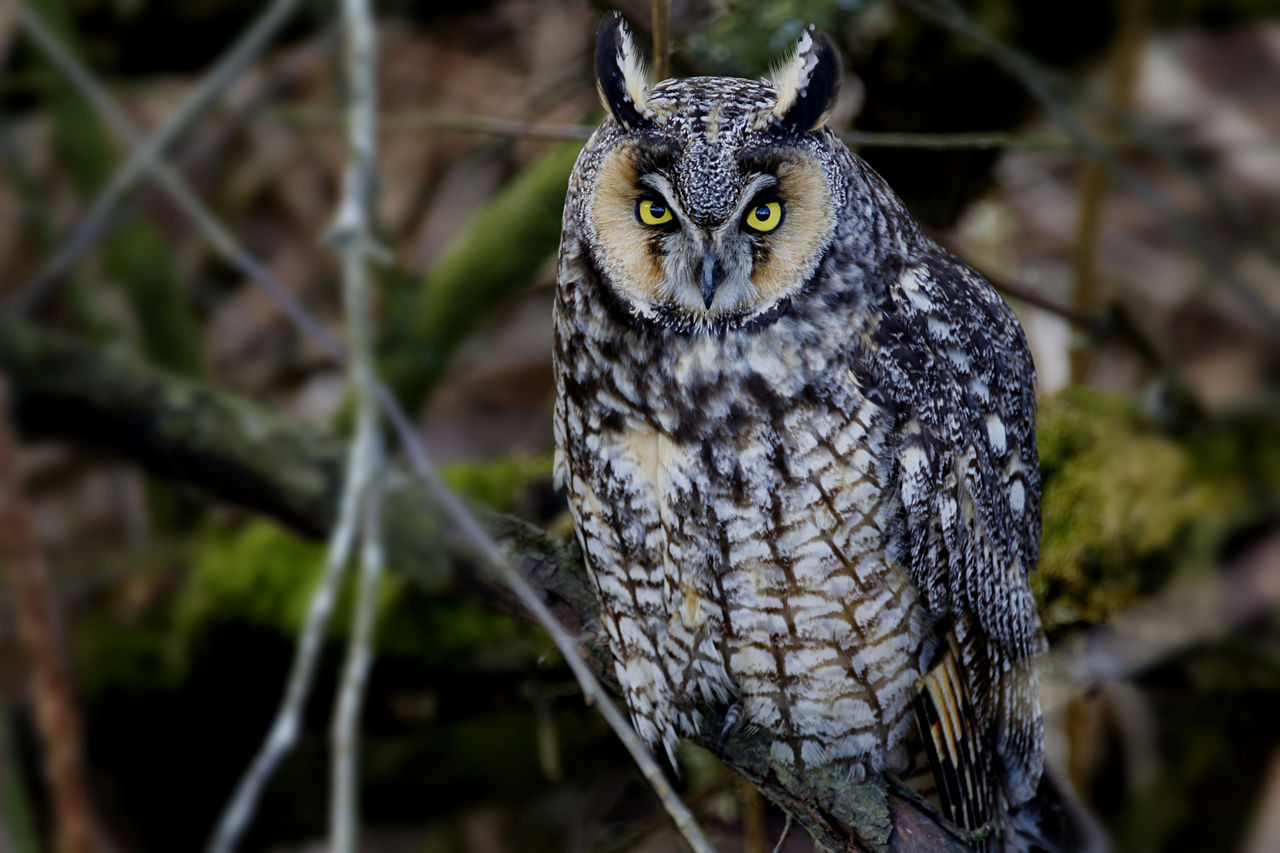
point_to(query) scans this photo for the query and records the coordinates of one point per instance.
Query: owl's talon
(732, 724)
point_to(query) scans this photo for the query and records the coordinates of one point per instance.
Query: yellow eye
(651, 212)
(765, 217)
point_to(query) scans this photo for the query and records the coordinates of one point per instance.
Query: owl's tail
(966, 788)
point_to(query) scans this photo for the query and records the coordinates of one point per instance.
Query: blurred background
(1112, 165)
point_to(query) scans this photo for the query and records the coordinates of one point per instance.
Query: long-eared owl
(798, 441)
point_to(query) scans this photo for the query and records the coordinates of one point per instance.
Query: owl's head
(712, 200)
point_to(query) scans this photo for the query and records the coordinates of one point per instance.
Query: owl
(798, 443)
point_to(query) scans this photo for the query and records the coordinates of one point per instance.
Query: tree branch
(44, 637)
(291, 471)
(148, 151)
(1044, 87)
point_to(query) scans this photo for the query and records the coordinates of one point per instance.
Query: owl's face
(712, 200)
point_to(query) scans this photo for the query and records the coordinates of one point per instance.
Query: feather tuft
(635, 72)
(791, 76)
(807, 84)
(622, 79)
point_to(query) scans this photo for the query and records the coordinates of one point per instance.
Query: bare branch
(227, 244)
(219, 236)
(982, 140)
(1042, 86)
(344, 813)
(1089, 321)
(352, 234)
(1093, 179)
(44, 640)
(493, 125)
(659, 16)
(948, 141)
(504, 126)
(147, 152)
(293, 472)
(284, 727)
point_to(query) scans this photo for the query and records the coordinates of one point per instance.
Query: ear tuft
(621, 77)
(807, 83)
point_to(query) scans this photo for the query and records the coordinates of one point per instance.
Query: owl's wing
(952, 367)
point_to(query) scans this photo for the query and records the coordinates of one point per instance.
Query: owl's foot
(732, 725)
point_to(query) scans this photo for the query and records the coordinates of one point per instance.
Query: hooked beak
(711, 277)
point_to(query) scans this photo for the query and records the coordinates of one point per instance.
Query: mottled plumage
(800, 456)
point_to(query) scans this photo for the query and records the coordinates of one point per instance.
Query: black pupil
(762, 212)
(656, 210)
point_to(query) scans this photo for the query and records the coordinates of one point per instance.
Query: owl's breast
(821, 625)
(736, 525)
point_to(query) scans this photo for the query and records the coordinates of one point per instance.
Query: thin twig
(359, 513)
(659, 14)
(504, 126)
(44, 639)
(479, 539)
(352, 234)
(344, 813)
(493, 125)
(786, 830)
(293, 472)
(1093, 180)
(1042, 86)
(146, 152)
(1090, 322)
(980, 140)
(947, 141)
(284, 728)
(219, 236)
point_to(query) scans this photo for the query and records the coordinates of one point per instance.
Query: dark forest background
(1113, 166)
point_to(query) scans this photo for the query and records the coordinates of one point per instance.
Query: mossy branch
(514, 233)
(234, 450)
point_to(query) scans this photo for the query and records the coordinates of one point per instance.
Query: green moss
(446, 633)
(500, 483)
(499, 251)
(1125, 506)
(120, 649)
(263, 575)
(259, 574)
(122, 639)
